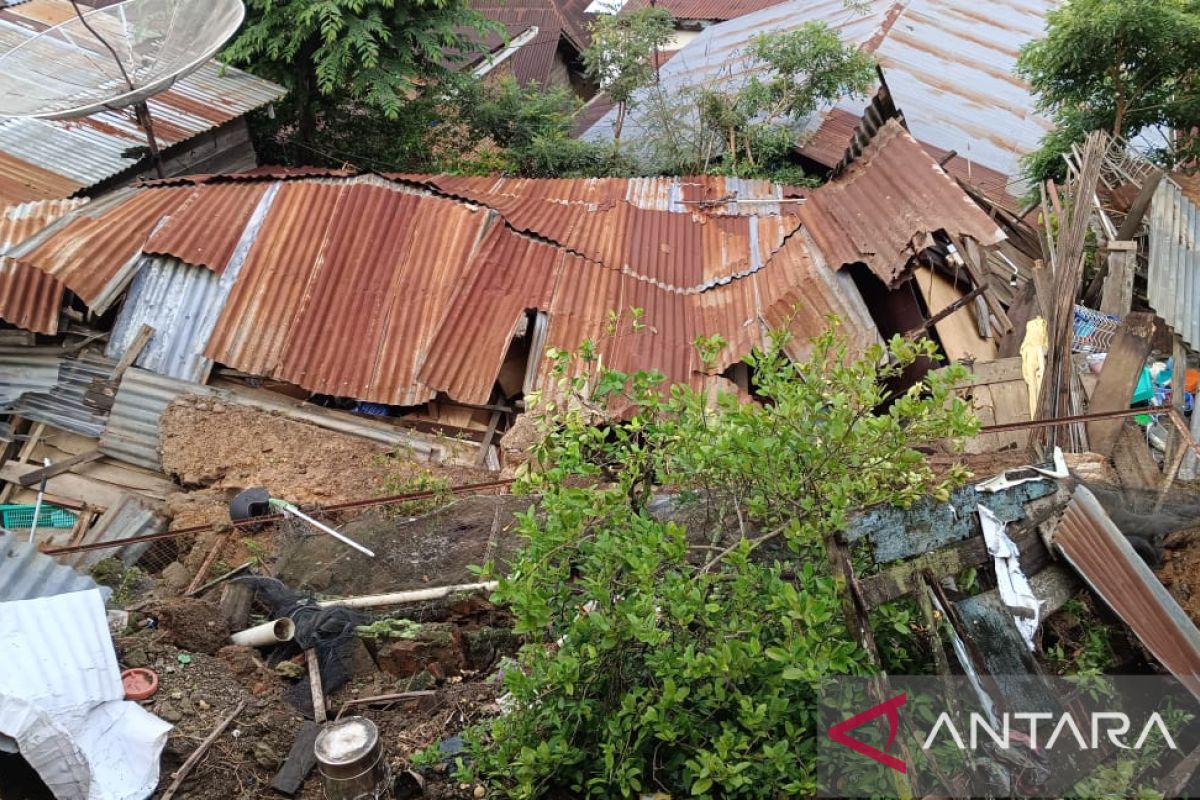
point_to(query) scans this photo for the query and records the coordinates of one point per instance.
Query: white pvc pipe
(414, 596)
(267, 634)
(288, 508)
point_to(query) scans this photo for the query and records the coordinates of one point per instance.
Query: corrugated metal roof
(129, 517)
(29, 298)
(27, 369)
(182, 302)
(1173, 279)
(63, 406)
(884, 208)
(716, 10)
(42, 159)
(554, 19)
(1099, 551)
(25, 573)
(207, 227)
(93, 250)
(132, 434)
(948, 63)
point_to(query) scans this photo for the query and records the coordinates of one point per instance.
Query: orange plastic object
(1191, 380)
(140, 684)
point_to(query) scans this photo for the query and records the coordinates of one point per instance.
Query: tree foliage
(620, 58)
(686, 661)
(1116, 65)
(374, 54)
(749, 128)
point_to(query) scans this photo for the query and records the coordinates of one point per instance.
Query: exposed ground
(1180, 571)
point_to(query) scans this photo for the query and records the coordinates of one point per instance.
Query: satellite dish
(113, 57)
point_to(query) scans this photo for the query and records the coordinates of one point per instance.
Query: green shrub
(663, 661)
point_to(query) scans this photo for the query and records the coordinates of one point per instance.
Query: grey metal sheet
(1173, 278)
(130, 517)
(25, 573)
(63, 406)
(182, 303)
(132, 434)
(950, 68)
(27, 369)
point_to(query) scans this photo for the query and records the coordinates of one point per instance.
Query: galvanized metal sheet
(1173, 278)
(132, 434)
(63, 405)
(949, 65)
(128, 518)
(27, 369)
(25, 573)
(1099, 552)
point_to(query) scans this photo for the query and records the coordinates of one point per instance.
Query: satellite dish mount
(140, 109)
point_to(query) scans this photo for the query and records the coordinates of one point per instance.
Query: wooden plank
(1117, 297)
(1122, 369)
(35, 435)
(59, 467)
(314, 684)
(485, 446)
(957, 332)
(301, 759)
(951, 560)
(79, 489)
(977, 267)
(1003, 370)
(140, 340)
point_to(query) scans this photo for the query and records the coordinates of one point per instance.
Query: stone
(176, 576)
(290, 669)
(136, 657)
(483, 646)
(479, 793)
(265, 756)
(168, 712)
(421, 682)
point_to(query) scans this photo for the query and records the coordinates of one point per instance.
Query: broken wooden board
(82, 490)
(301, 759)
(1119, 378)
(897, 533)
(958, 332)
(998, 394)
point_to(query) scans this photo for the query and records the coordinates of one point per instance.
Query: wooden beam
(320, 715)
(1122, 368)
(26, 452)
(140, 340)
(945, 312)
(1117, 297)
(1141, 204)
(485, 446)
(35, 477)
(301, 759)
(977, 267)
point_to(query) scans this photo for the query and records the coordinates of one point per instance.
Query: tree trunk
(306, 111)
(617, 126)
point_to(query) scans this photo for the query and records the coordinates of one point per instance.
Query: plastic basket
(18, 517)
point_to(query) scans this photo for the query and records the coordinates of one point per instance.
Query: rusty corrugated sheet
(30, 298)
(205, 230)
(884, 208)
(94, 249)
(555, 20)
(1099, 551)
(509, 274)
(714, 10)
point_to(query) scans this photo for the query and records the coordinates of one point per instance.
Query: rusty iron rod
(473, 488)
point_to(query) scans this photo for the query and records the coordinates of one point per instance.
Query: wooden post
(314, 685)
(1118, 286)
(31, 443)
(1119, 378)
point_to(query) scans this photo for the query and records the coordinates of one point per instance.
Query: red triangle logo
(838, 732)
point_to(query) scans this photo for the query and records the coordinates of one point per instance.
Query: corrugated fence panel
(1173, 279)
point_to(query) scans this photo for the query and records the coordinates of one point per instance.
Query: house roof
(394, 289)
(949, 65)
(46, 159)
(715, 10)
(555, 20)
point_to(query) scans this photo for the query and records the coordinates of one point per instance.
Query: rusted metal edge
(1097, 549)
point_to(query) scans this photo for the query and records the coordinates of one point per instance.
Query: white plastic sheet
(1012, 583)
(62, 706)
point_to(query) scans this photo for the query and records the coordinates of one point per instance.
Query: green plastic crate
(16, 517)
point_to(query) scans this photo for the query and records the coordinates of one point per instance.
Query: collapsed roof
(393, 290)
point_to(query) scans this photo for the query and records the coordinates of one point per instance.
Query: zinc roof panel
(253, 330)
(204, 231)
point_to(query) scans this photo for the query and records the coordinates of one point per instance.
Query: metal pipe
(288, 508)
